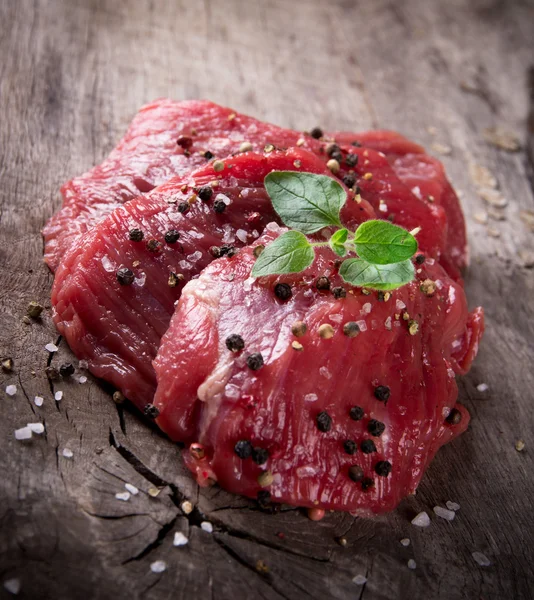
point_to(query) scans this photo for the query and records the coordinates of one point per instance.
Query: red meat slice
(149, 155)
(208, 395)
(117, 328)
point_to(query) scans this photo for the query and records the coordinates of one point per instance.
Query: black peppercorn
(455, 416)
(172, 236)
(367, 483)
(339, 292)
(219, 206)
(136, 235)
(125, 276)
(255, 361)
(215, 251)
(323, 421)
(316, 133)
(351, 329)
(243, 449)
(323, 283)
(208, 155)
(350, 446)
(375, 428)
(349, 180)
(420, 259)
(235, 343)
(151, 411)
(283, 291)
(260, 455)
(382, 393)
(351, 160)
(205, 192)
(226, 250)
(183, 207)
(356, 473)
(383, 468)
(66, 370)
(356, 413)
(356, 143)
(367, 446)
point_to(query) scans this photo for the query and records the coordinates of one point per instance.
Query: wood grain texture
(72, 74)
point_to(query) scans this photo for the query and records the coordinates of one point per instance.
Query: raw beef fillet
(119, 336)
(114, 293)
(333, 402)
(168, 138)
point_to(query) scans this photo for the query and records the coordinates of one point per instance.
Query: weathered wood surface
(72, 74)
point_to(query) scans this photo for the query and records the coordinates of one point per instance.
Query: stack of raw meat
(152, 252)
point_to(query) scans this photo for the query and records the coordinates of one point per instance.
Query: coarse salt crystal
(195, 256)
(247, 284)
(83, 364)
(224, 198)
(421, 520)
(12, 586)
(207, 526)
(362, 325)
(124, 496)
(366, 308)
(359, 579)
(405, 541)
(36, 427)
(83, 379)
(24, 433)
(185, 265)
(444, 513)
(325, 372)
(107, 264)
(11, 390)
(387, 323)
(179, 539)
(38, 400)
(274, 227)
(67, 453)
(482, 387)
(51, 347)
(58, 396)
(417, 192)
(383, 207)
(141, 280)
(452, 505)
(400, 305)
(186, 507)
(241, 235)
(131, 488)
(158, 566)
(310, 397)
(412, 564)
(481, 559)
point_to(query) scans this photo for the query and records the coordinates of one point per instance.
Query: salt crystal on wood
(12, 586)
(124, 496)
(51, 347)
(67, 453)
(421, 520)
(36, 427)
(131, 488)
(207, 526)
(179, 539)
(359, 579)
(481, 559)
(38, 401)
(24, 433)
(158, 566)
(452, 505)
(444, 513)
(11, 390)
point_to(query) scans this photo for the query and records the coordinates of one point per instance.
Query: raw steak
(117, 327)
(168, 138)
(346, 422)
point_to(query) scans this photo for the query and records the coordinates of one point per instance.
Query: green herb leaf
(382, 243)
(289, 253)
(338, 240)
(305, 201)
(360, 273)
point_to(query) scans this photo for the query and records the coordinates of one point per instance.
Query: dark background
(72, 75)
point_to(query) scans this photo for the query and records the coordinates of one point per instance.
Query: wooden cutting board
(72, 75)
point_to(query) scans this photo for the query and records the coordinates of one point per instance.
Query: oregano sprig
(307, 203)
